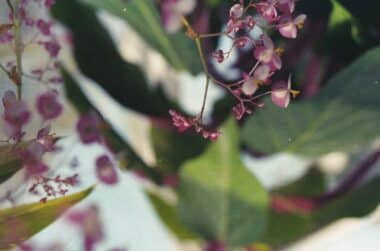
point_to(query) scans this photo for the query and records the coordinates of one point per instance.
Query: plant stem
(18, 46)
(351, 181)
(204, 99)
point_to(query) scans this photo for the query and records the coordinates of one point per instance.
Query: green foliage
(143, 16)
(9, 162)
(356, 203)
(169, 216)
(219, 198)
(344, 116)
(172, 148)
(20, 223)
(98, 59)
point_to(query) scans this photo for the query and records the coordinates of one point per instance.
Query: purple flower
(240, 110)
(48, 105)
(44, 27)
(267, 9)
(173, 10)
(267, 54)
(286, 6)
(288, 27)
(282, 92)
(236, 11)
(251, 84)
(49, 3)
(52, 47)
(88, 221)
(46, 139)
(182, 123)
(15, 111)
(31, 158)
(88, 127)
(105, 170)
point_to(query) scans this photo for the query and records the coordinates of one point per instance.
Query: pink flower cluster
(266, 57)
(183, 123)
(275, 14)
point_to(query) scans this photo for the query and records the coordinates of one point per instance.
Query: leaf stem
(18, 46)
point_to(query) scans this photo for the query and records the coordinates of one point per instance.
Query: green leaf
(169, 216)
(17, 224)
(98, 59)
(9, 162)
(173, 149)
(343, 117)
(339, 15)
(219, 199)
(357, 203)
(284, 228)
(143, 16)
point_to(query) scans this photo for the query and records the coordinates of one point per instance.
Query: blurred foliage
(143, 16)
(10, 163)
(172, 149)
(17, 224)
(169, 216)
(99, 60)
(219, 198)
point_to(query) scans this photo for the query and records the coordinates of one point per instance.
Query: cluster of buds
(53, 187)
(183, 123)
(243, 18)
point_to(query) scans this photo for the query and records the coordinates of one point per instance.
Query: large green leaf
(142, 15)
(344, 116)
(17, 224)
(169, 216)
(173, 149)
(98, 59)
(219, 198)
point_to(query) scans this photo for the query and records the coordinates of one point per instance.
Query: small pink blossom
(182, 123)
(267, 9)
(105, 170)
(49, 3)
(267, 54)
(88, 127)
(88, 221)
(281, 93)
(44, 26)
(286, 6)
(48, 105)
(289, 27)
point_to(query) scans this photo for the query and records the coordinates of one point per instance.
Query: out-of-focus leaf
(9, 162)
(339, 15)
(169, 216)
(143, 16)
(284, 228)
(17, 224)
(311, 184)
(344, 116)
(98, 59)
(83, 105)
(173, 149)
(357, 203)
(219, 199)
